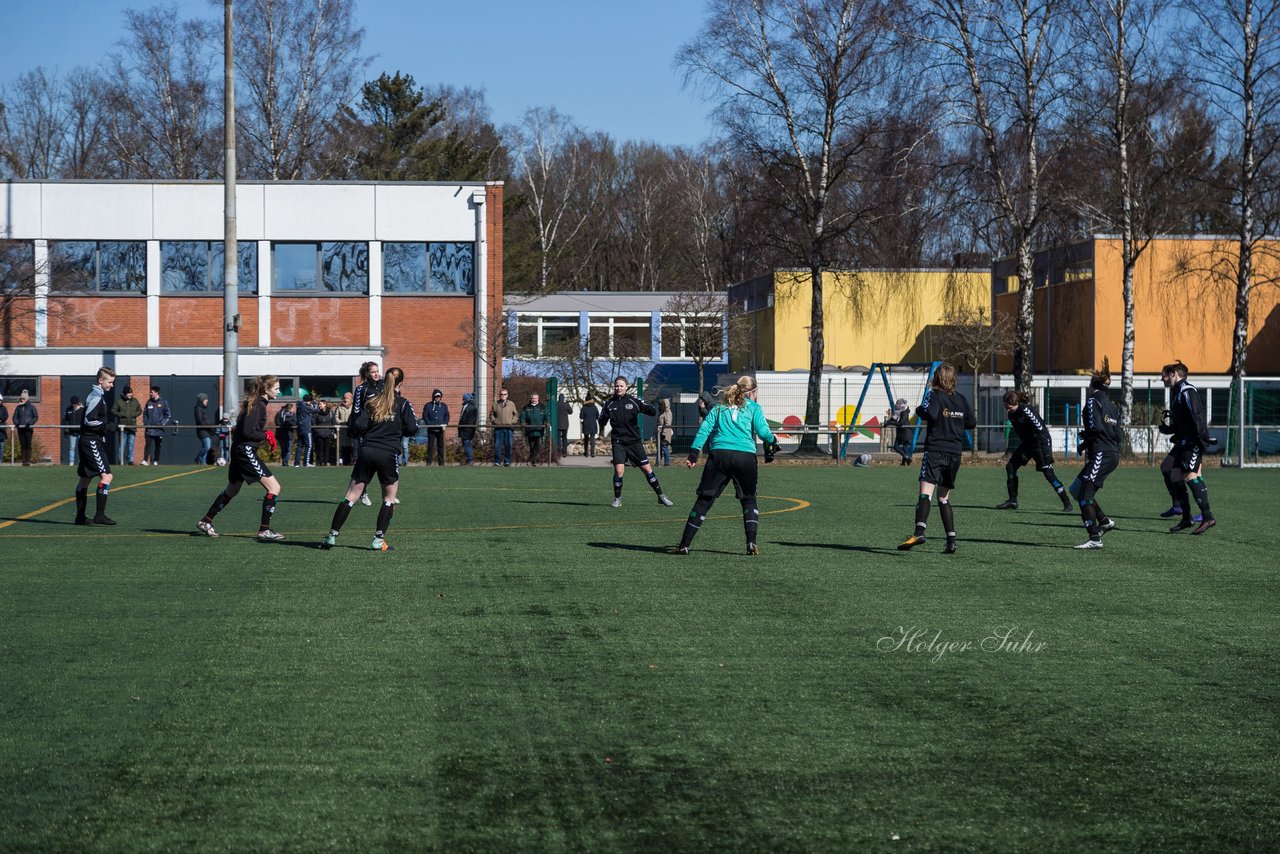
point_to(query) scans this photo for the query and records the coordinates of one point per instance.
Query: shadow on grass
(563, 503)
(37, 521)
(630, 547)
(839, 547)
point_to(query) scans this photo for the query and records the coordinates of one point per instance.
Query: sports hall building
(129, 275)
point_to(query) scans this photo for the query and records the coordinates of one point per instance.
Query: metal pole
(230, 248)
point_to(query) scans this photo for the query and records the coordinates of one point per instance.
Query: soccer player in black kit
(622, 413)
(1190, 435)
(1100, 439)
(91, 448)
(244, 466)
(1034, 444)
(948, 414)
(370, 384)
(384, 420)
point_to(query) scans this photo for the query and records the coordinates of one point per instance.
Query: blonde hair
(261, 386)
(382, 405)
(736, 394)
(945, 377)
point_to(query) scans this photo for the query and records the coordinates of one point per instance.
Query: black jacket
(622, 414)
(948, 415)
(324, 425)
(435, 415)
(564, 410)
(590, 416)
(1101, 422)
(25, 415)
(73, 417)
(386, 435)
(4, 417)
(93, 418)
(467, 419)
(1030, 427)
(251, 424)
(1186, 416)
(286, 422)
(203, 418)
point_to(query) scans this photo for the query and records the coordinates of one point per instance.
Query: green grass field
(529, 670)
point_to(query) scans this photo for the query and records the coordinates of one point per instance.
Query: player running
(91, 448)
(948, 415)
(1100, 440)
(244, 466)
(1034, 444)
(370, 385)
(1190, 436)
(729, 432)
(622, 413)
(384, 420)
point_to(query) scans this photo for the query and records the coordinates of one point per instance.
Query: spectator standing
(203, 419)
(705, 405)
(4, 426)
(126, 413)
(302, 454)
(504, 418)
(900, 420)
(564, 410)
(286, 424)
(25, 417)
(71, 419)
(224, 440)
(534, 417)
(155, 414)
(590, 418)
(342, 415)
(665, 431)
(435, 415)
(467, 419)
(323, 429)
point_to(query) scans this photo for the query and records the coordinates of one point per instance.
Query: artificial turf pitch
(530, 670)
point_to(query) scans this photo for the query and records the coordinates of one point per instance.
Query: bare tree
(1003, 67)
(299, 61)
(491, 346)
(798, 84)
(697, 324)
(699, 179)
(972, 338)
(32, 127)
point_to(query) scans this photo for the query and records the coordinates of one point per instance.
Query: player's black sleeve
(604, 417)
(1196, 410)
(646, 408)
(969, 421)
(408, 421)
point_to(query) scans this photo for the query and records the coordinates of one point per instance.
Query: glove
(693, 457)
(771, 450)
(1165, 429)
(922, 413)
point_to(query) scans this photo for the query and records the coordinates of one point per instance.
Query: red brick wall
(17, 323)
(106, 322)
(420, 335)
(197, 321)
(319, 321)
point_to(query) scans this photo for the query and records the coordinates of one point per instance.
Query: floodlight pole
(230, 249)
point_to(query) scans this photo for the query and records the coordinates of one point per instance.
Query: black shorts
(1097, 465)
(1188, 457)
(376, 461)
(244, 465)
(1042, 456)
(722, 467)
(92, 451)
(940, 468)
(630, 452)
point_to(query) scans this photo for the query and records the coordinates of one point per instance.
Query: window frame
(245, 286)
(319, 289)
(670, 318)
(540, 323)
(612, 324)
(96, 289)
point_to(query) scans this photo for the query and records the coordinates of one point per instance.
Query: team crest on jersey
(628, 407)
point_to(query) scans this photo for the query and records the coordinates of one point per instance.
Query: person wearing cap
(126, 412)
(25, 417)
(71, 419)
(435, 415)
(205, 428)
(467, 420)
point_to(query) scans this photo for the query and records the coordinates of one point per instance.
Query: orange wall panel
(197, 321)
(319, 322)
(107, 322)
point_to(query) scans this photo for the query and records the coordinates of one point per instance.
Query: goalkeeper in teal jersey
(729, 434)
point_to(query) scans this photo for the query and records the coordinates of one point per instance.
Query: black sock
(1055, 483)
(1172, 486)
(217, 506)
(652, 477)
(82, 501)
(617, 486)
(103, 490)
(1183, 500)
(1090, 517)
(1012, 483)
(1099, 513)
(750, 519)
(697, 516)
(340, 514)
(948, 517)
(384, 518)
(922, 515)
(1201, 492)
(268, 510)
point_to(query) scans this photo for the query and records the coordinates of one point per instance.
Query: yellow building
(868, 316)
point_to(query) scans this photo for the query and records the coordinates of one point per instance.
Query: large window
(428, 268)
(321, 268)
(102, 266)
(698, 337)
(17, 265)
(12, 387)
(540, 335)
(620, 336)
(198, 266)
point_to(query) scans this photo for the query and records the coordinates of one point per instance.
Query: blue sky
(605, 63)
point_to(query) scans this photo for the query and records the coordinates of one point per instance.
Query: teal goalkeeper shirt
(733, 428)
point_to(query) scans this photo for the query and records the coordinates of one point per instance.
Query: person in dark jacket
(323, 431)
(306, 413)
(903, 436)
(385, 419)
(534, 418)
(370, 384)
(126, 412)
(92, 438)
(286, 421)
(589, 415)
(71, 419)
(4, 426)
(1189, 431)
(1100, 443)
(25, 418)
(564, 410)
(245, 466)
(948, 415)
(467, 420)
(206, 427)
(1034, 444)
(435, 415)
(622, 413)
(155, 415)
